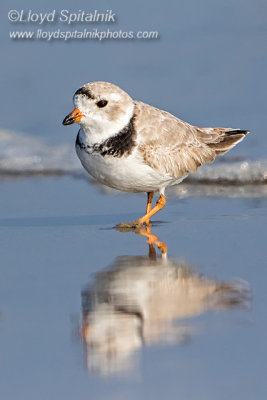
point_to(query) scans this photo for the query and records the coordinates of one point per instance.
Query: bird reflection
(144, 300)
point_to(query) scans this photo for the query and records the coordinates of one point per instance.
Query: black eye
(102, 103)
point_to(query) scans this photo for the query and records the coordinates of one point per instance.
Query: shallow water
(56, 239)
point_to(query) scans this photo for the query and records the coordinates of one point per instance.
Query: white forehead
(81, 101)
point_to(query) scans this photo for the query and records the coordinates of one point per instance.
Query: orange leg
(149, 202)
(159, 205)
(149, 212)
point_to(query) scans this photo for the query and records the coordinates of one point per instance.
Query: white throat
(97, 131)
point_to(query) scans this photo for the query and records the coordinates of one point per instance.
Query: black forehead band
(85, 92)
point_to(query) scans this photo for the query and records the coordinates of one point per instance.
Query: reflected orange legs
(151, 240)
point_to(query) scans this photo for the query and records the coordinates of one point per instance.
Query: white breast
(128, 172)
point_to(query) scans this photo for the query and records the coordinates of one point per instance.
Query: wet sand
(55, 241)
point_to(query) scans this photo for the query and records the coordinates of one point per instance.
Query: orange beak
(74, 116)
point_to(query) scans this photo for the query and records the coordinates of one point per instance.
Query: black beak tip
(68, 120)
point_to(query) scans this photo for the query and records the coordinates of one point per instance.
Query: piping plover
(132, 146)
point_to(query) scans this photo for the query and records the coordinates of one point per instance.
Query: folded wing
(175, 147)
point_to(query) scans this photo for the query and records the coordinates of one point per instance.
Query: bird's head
(101, 107)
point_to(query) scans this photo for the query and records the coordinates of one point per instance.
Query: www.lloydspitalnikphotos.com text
(34, 19)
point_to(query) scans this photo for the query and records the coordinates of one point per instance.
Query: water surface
(55, 240)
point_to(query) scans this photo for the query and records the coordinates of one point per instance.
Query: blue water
(55, 234)
(208, 67)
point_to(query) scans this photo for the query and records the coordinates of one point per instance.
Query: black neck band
(118, 145)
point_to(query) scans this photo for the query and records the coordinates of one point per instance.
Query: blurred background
(208, 67)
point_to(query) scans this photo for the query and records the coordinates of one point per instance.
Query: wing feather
(169, 144)
(176, 148)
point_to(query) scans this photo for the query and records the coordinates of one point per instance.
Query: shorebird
(134, 147)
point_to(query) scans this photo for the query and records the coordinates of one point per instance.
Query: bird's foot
(130, 226)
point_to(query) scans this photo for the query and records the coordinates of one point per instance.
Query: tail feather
(222, 140)
(236, 131)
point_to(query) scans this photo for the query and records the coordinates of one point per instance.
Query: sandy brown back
(175, 147)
